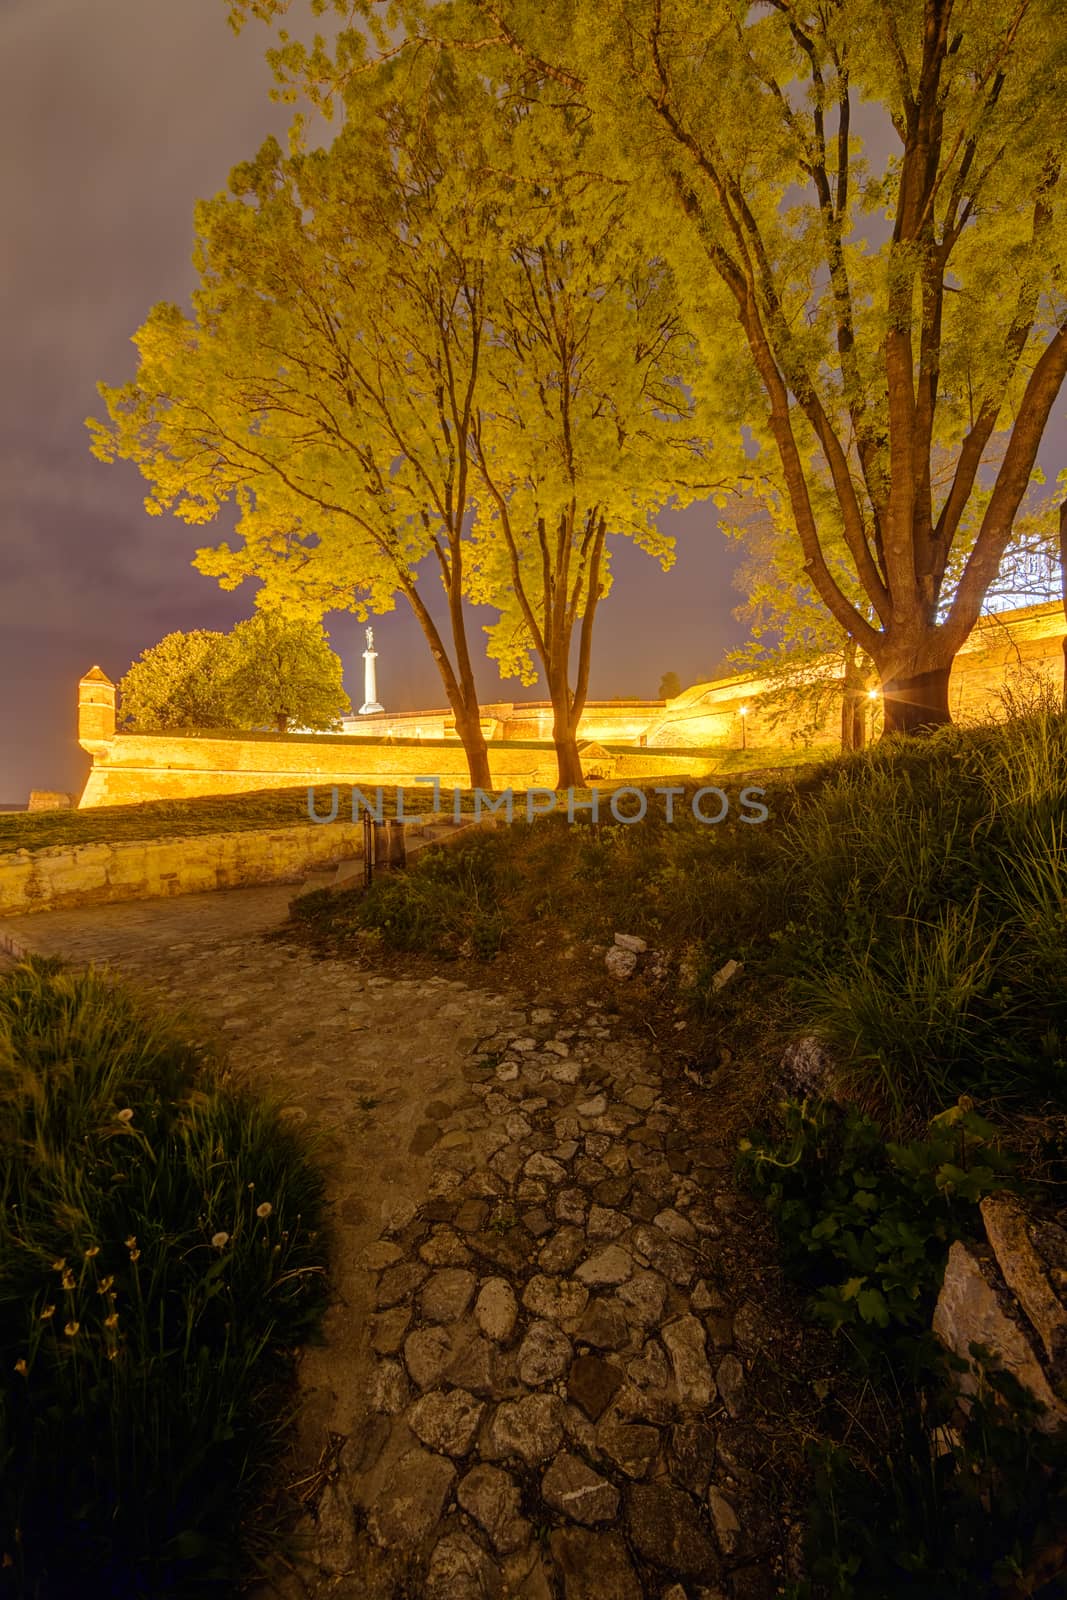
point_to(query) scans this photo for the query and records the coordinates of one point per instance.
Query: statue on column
(370, 688)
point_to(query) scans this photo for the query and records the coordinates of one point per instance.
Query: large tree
(181, 682)
(890, 296)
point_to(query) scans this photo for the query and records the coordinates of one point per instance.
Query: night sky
(115, 117)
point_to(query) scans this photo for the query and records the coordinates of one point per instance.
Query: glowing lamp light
(872, 694)
(742, 712)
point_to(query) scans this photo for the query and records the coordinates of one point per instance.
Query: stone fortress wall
(639, 741)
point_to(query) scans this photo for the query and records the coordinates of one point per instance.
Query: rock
(496, 1310)
(335, 1528)
(446, 1422)
(673, 1260)
(557, 1299)
(630, 941)
(620, 963)
(399, 1283)
(447, 1295)
(571, 1206)
(472, 1216)
(379, 1255)
(410, 1500)
(530, 1428)
(473, 1365)
(560, 1253)
(396, 1213)
(389, 1388)
(606, 1224)
(557, 1047)
(684, 1339)
(644, 1297)
(574, 1489)
(730, 1377)
(594, 1566)
(642, 1096)
(459, 1570)
(676, 1226)
(444, 1249)
(724, 975)
(544, 1355)
(1013, 1239)
(608, 1267)
(593, 1384)
(630, 1446)
(603, 1324)
(491, 1496)
(805, 1067)
(691, 1454)
(539, 1166)
(428, 1352)
(974, 1307)
(650, 1372)
(595, 1107)
(388, 1330)
(723, 1515)
(666, 1530)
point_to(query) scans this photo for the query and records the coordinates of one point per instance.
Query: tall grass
(161, 1251)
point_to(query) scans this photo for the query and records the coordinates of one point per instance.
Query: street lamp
(742, 713)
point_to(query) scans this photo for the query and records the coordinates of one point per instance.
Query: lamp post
(742, 713)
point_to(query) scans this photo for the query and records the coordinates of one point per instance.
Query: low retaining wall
(63, 876)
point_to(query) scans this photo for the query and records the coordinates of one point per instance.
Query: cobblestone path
(534, 1379)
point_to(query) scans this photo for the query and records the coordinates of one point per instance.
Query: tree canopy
(269, 671)
(864, 206)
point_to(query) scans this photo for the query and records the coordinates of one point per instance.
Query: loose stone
(496, 1310)
(609, 1266)
(571, 1206)
(411, 1500)
(389, 1388)
(691, 1454)
(593, 1384)
(595, 1566)
(675, 1225)
(562, 1251)
(684, 1339)
(459, 1570)
(631, 1446)
(447, 1295)
(595, 1107)
(389, 1329)
(397, 1283)
(491, 1496)
(605, 1224)
(444, 1249)
(723, 1515)
(530, 1428)
(604, 1325)
(667, 1531)
(644, 1297)
(446, 1422)
(731, 1380)
(539, 1166)
(544, 1355)
(574, 1489)
(557, 1299)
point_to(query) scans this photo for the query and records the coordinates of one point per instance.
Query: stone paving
(533, 1382)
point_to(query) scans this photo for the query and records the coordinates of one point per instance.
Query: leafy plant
(868, 1224)
(161, 1251)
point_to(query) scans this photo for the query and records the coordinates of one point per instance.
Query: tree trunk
(568, 761)
(281, 722)
(853, 719)
(470, 732)
(916, 702)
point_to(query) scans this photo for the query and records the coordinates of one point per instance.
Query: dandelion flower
(251, 1185)
(135, 1255)
(21, 1368)
(105, 1284)
(125, 1116)
(112, 1353)
(112, 1321)
(131, 1242)
(71, 1329)
(68, 1280)
(93, 1250)
(265, 1209)
(49, 1311)
(220, 1240)
(58, 1266)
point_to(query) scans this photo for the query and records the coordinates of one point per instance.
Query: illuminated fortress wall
(638, 740)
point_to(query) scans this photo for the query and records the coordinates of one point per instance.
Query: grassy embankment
(909, 907)
(161, 1255)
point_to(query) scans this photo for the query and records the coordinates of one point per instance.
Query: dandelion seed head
(220, 1240)
(265, 1209)
(125, 1115)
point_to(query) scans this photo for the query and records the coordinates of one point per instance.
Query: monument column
(370, 688)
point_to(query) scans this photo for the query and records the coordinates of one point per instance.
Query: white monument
(370, 688)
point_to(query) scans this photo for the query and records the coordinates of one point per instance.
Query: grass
(161, 1253)
(161, 819)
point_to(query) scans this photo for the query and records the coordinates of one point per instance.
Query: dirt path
(537, 1367)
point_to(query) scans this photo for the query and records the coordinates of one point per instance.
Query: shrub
(160, 1251)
